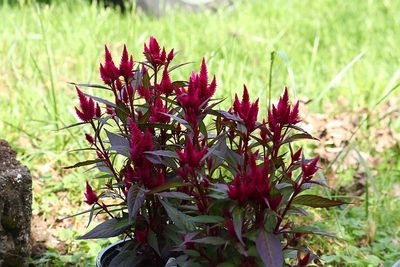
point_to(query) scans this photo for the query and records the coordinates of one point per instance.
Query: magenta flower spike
(126, 65)
(90, 195)
(246, 110)
(88, 110)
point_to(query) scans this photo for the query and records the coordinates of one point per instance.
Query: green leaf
(269, 249)
(146, 81)
(84, 163)
(317, 201)
(226, 264)
(203, 128)
(179, 65)
(165, 186)
(310, 230)
(135, 199)
(191, 252)
(122, 111)
(176, 195)
(153, 241)
(207, 219)
(109, 228)
(181, 220)
(210, 240)
(103, 176)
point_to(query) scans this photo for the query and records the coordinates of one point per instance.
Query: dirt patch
(344, 146)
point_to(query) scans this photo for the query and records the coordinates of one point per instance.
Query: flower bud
(90, 195)
(89, 138)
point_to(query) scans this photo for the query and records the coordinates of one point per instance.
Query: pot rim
(104, 250)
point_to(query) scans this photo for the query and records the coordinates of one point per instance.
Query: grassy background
(42, 47)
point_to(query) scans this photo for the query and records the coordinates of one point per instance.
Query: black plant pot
(107, 254)
(110, 252)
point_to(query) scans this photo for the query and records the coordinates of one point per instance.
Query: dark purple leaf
(300, 211)
(237, 219)
(155, 159)
(127, 258)
(163, 153)
(180, 120)
(296, 137)
(119, 144)
(92, 86)
(84, 163)
(109, 228)
(135, 199)
(137, 79)
(270, 249)
(117, 140)
(72, 125)
(101, 100)
(229, 116)
(179, 65)
(310, 230)
(101, 166)
(121, 150)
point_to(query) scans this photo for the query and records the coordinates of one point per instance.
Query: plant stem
(288, 205)
(103, 151)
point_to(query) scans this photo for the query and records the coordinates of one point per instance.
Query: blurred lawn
(43, 47)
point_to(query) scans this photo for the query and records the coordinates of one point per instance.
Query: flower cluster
(185, 178)
(246, 111)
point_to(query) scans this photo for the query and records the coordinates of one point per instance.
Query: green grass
(44, 47)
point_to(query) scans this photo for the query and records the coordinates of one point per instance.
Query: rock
(15, 209)
(159, 8)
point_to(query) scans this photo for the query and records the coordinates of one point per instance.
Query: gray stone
(159, 8)
(15, 209)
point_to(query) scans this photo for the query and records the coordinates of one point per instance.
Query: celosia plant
(183, 178)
